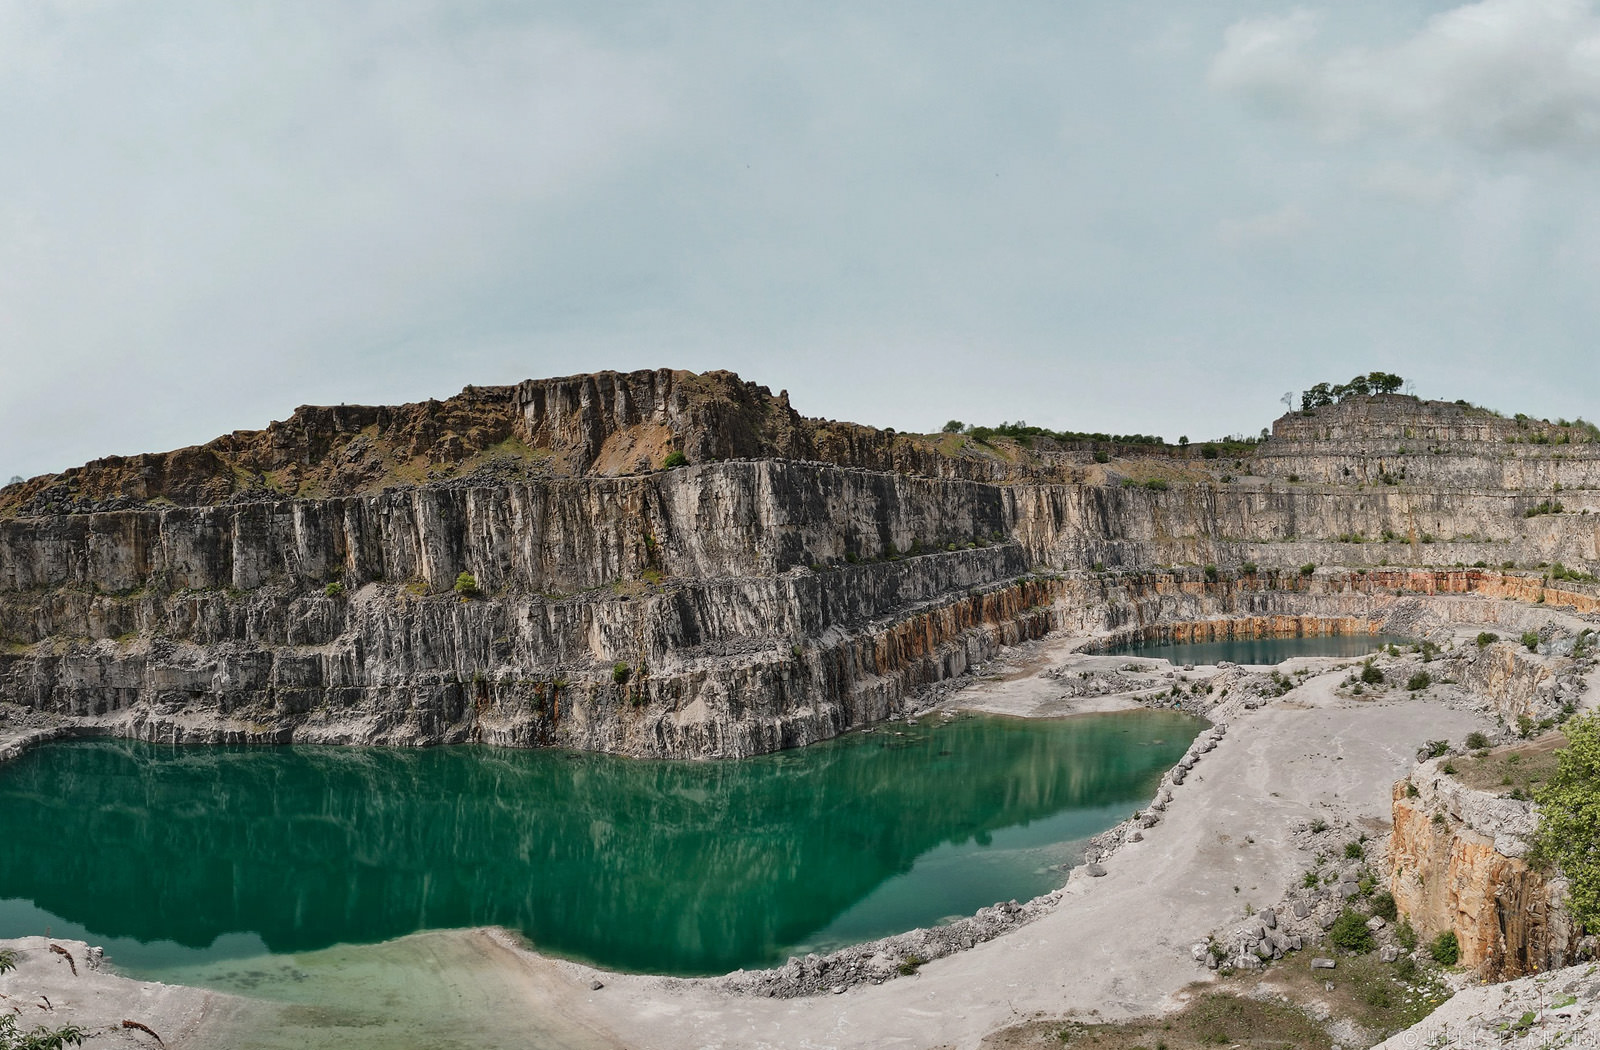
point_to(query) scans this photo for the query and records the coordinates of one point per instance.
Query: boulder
(1321, 963)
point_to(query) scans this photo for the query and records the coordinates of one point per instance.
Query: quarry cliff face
(796, 578)
(1457, 863)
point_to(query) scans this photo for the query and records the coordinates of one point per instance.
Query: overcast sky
(1152, 217)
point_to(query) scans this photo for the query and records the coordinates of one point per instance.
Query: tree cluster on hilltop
(1021, 431)
(1324, 394)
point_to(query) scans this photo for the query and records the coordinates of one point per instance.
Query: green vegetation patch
(1569, 831)
(1509, 770)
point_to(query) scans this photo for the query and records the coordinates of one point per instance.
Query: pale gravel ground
(1556, 1009)
(1118, 945)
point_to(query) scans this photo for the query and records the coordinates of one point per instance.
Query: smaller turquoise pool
(1260, 650)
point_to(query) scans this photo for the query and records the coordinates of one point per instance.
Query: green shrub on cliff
(1531, 640)
(1569, 825)
(675, 458)
(466, 585)
(1445, 948)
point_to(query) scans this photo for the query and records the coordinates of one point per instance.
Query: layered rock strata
(510, 566)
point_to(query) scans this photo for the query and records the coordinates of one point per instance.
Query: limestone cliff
(1456, 859)
(799, 576)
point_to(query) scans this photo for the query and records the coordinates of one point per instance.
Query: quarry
(666, 566)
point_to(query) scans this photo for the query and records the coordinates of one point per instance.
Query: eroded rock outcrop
(1458, 863)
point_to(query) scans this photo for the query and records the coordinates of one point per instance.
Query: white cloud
(1501, 75)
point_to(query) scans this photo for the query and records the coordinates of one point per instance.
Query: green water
(177, 859)
(1260, 650)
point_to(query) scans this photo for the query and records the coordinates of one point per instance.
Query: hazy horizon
(1096, 217)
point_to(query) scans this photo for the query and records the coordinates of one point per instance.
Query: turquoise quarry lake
(176, 859)
(1260, 650)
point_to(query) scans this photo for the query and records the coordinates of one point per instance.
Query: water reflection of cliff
(688, 867)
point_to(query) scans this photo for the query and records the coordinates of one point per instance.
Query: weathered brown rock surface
(1456, 859)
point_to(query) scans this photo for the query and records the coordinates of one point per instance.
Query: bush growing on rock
(1419, 681)
(1349, 933)
(1384, 907)
(1487, 638)
(1405, 935)
(1308, 568)
(1445, 948)
(675, 458)
(1370, 673)
(1476, 741)
(466, 585)
(1531, 640)
(621, 672)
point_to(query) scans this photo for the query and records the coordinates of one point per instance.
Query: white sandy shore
(44, 991)
(1117, 945)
